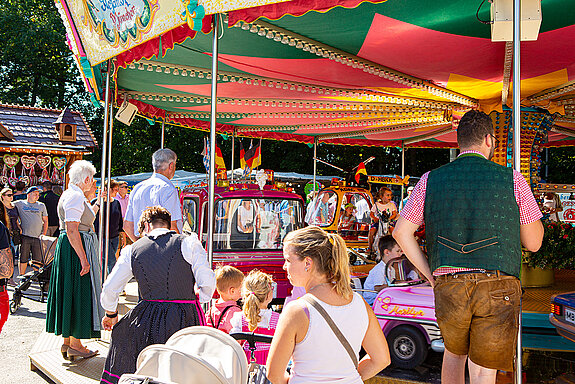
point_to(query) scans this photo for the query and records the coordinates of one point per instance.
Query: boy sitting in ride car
(229, 285)
(376, 280)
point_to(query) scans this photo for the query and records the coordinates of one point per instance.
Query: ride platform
(538, 333)
(46, 357)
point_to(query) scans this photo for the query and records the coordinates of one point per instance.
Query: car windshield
(244, 224)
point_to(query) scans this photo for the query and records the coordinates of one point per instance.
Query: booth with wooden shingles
(39, 144)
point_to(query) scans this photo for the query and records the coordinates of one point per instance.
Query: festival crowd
(473, 257)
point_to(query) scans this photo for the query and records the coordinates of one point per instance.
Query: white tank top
(320, 357)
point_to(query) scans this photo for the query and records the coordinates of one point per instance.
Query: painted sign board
(107, 28)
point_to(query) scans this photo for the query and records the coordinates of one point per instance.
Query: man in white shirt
(158, 190)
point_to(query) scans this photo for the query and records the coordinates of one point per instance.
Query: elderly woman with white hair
(73, 309)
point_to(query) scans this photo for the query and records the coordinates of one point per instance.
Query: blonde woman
(318, 261)
(257, 293)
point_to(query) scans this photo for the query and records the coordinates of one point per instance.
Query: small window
(66, 132)
(323, 209)
(190, 213)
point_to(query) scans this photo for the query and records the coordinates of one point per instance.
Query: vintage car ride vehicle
(250, 224)
(405, 310)
(328, 208)
(562, 315)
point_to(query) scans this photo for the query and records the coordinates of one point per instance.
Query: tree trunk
(34, 95)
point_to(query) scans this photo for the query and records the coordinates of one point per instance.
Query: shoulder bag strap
(310, 299)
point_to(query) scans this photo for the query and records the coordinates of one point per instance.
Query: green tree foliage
(561, 165)
(36, 66)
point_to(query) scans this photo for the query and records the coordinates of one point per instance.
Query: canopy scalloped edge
(151, 112)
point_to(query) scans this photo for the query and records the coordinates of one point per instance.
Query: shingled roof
(32, 125)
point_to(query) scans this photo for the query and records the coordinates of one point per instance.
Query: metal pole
(108, 180)
(517, 144)
(211, 180)
(104, 158)
(163, 135)
(233, 151)
(402, 171)
(546, 164)
(314, 162)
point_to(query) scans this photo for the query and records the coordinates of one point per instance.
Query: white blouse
(193, 253)
(72, 201)
(236, 320)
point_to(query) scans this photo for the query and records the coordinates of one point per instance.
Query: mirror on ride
(400, 272)
(321, 211)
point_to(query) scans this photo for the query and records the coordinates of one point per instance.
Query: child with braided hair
(257, 293)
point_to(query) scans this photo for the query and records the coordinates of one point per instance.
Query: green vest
(472, 217)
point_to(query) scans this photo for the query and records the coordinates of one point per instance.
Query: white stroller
(193, 355)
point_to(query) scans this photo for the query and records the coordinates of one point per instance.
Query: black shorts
(30, 245)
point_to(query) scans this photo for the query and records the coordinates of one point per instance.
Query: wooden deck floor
(45, 355)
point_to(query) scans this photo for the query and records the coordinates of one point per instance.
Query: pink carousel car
(406, 313)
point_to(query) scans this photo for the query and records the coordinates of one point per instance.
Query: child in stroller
(40, 274)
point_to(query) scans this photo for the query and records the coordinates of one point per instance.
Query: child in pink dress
(229, 285)
(257, 293)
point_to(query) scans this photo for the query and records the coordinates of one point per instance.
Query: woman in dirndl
(166, 266)
(73, 309)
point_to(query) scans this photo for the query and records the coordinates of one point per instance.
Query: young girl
(257, 293)
(347, 218)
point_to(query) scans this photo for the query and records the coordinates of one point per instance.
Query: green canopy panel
(351, 72)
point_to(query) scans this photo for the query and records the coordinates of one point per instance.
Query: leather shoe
(64, 351)
(73, 354)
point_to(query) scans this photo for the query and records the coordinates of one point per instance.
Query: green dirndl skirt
(69, 309)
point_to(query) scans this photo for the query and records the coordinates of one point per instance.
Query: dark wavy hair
(155, 216)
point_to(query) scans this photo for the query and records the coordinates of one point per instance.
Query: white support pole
(108, 180)
(233, 151)
(163, 135)
(517, 145)
(104, 160)
(211, 180)
(314, 163)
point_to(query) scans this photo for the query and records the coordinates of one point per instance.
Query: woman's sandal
(74, 353)
(64, 351)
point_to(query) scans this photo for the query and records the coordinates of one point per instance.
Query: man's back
(19, 196)
(50, 199)
(157, 190)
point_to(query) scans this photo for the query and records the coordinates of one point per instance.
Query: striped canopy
(377, 73)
